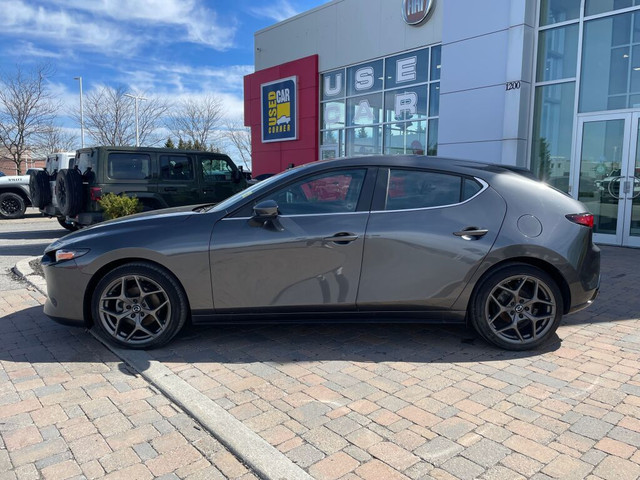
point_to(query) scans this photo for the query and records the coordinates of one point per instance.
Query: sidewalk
(70, 409)
(341, 401)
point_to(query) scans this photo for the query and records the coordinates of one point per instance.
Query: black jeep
(158, 177)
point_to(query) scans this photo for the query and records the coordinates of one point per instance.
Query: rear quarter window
(129, 166)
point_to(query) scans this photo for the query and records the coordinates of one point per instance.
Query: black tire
(72, 227)
(69, 191)
(155, 318)
(12, 205)
(517, 307)
(39, 189)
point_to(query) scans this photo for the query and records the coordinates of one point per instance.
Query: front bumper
(66, 287)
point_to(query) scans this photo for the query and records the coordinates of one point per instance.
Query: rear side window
(409, 189)
(176, 167)
(129, 166)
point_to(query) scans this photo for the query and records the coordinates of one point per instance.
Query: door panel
(289, 262)
(413, 259)
(177, 184)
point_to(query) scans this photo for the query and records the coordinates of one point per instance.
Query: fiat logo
(415, 11)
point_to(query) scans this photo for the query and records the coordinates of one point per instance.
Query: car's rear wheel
(139, 305)
(517, 307)
(12, 205)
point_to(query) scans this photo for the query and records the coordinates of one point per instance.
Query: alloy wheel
(134, 309)
(521, 309)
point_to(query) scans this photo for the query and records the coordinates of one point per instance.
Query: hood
(134, 224)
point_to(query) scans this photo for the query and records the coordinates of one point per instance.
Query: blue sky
(168, 48)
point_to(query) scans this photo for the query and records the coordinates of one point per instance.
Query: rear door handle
(471, 233)
(342, 238)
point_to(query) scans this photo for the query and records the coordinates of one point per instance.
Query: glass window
(364, 78)
(432, 145)
(552, 133)
(406, 104)
(364, 110)
(406, 69)
(405, 137)
(332, 192)
(593, 7)
(129, 166)
(332, 144)
(176, 167)
(470, 188)
(434, 99)
(610, 63)
(421, 189)
(216, 169)
(436, 53)
(555, 11)
(557, 53)
(332, 84)
(364, 141)
(333, 114)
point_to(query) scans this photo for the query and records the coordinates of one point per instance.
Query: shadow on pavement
(28, 335)
(33, 235)
(30, 249)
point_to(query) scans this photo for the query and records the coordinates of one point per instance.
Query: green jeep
(159, 177)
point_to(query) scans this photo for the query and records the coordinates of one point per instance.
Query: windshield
(253, 190)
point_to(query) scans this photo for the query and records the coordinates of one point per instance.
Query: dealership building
(551, 85)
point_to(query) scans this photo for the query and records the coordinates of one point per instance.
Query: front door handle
(170, 189)
(341, 238)
(471, 233)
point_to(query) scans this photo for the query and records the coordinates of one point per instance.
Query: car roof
(467, 167)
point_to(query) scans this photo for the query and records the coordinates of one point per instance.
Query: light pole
(136, 98)
(81, 112)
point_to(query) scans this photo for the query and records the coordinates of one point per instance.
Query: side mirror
(236, 176)
(268, 209)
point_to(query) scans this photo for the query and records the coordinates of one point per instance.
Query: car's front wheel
(517, 307)
(12, 205)
(139, 305)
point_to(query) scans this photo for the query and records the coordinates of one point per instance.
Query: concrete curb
(243, 442)
(25, 272)
(262, 457)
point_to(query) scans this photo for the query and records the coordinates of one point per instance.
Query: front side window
(129, 166)
(332, 192)
(216, 170)
(409, 189)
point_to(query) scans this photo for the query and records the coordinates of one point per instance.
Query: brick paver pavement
(420, 402)
(342, 401)
(70, 409)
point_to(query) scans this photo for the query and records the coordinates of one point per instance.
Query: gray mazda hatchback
(393, 238)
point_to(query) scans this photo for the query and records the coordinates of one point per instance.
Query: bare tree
(110, 119)
(55, 139)
(197, 121)
(27, 111)
(240, 137)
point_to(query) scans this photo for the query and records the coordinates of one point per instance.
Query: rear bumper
(585, 290)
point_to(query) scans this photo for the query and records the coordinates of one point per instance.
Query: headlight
(69, 254)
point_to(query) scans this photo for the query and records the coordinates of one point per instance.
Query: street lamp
(136, 98)
(81, 112)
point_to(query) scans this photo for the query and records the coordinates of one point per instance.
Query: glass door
(606, 179)
(629, 189)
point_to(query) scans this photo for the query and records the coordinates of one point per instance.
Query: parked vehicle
(158, 177)
(404, 238)
(14, 196)
(42, 186)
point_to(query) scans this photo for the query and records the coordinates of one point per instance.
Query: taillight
(585, 219)
(95, 194)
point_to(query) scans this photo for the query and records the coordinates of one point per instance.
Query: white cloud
(194, 22)
(281, 10)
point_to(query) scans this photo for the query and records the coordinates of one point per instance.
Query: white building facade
(551, 85)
